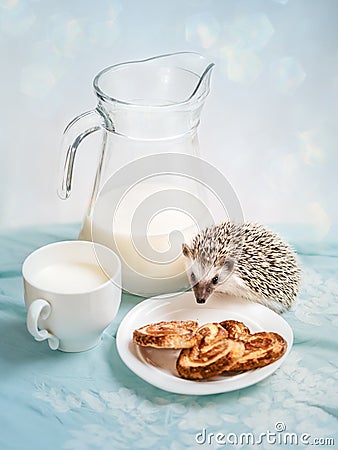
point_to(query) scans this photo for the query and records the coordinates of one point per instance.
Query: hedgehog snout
(202, 291)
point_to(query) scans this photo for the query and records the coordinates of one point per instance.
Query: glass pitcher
(141, 206)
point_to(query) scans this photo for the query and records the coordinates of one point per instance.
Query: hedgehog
(244, 260)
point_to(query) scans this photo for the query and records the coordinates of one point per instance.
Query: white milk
(70, 278)
(149, 244)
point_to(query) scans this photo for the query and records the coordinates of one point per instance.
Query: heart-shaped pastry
(261, 348)
(211, 355)
(173, 334)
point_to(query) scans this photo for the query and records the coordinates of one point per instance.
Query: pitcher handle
(78, 129)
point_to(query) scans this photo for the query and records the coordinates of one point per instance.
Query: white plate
(157, 366)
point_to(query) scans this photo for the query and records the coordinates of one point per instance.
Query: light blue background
(269, 123)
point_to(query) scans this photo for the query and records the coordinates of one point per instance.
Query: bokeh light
(16, 18)
(8, 4)
(311, 152)
(242, 65)
(202, 29)
(66, 33)
(287, 74)
(242, 40)
(250, 31)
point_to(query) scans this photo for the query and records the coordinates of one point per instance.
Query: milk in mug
(70, 277)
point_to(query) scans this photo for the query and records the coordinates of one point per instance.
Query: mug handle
(40, 309)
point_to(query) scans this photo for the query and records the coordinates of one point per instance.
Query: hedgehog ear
(187, 251)
(229, 264)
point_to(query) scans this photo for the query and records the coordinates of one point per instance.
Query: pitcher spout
(161, 81)
(203, 69)
(203, 86)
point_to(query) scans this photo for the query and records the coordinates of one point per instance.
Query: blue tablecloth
(87, 401)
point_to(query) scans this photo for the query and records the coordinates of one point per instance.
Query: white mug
(72, 293)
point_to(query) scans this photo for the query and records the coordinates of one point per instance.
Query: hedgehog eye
(192, 276)
(215, 280)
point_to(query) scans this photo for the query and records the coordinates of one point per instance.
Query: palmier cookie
(235, 329)
(176, 334)
(212, 354)
(261, 349)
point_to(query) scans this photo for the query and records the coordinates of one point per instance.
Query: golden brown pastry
(261, 349)
(175, 334)
(235, 329)
(212, 354)
(213, 348)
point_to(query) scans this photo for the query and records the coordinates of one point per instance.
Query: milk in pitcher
(148, 242)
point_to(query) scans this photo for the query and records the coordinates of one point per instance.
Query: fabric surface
(87, 401)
